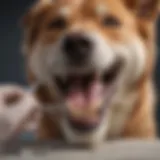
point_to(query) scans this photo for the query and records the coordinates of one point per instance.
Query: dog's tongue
(83, 99)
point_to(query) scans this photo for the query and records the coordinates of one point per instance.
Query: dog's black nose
(77, 47)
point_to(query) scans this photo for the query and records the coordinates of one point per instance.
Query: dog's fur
(131, 115)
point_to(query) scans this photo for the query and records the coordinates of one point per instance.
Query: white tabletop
(118, 150)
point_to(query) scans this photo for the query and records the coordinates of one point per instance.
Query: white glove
(19, 111)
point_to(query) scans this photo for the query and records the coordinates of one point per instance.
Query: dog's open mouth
(85, 94)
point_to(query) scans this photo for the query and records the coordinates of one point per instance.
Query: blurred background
(11, 59)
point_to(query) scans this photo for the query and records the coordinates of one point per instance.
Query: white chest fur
(119, 115)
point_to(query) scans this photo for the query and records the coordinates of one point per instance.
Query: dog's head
(92, 52)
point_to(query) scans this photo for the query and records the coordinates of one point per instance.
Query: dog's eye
(111, 21)
(58, 23)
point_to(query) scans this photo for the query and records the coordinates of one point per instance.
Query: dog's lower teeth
(85, 117)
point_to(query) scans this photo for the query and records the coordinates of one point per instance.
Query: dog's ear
(146, 9)
(26, 20)
(35, 10)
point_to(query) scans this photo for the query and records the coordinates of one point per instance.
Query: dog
(92, 63)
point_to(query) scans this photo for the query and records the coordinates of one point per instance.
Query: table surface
(113, 150)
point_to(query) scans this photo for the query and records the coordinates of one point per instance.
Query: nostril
(77, 47)
(84, 42)
(69, 44)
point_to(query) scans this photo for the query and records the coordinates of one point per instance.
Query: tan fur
(48, 129)
(141, 123)
(139, 118)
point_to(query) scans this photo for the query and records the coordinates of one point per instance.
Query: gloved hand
(19, 111)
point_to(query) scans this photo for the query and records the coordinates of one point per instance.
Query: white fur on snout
(139, 57)
(103, 56)
(133, 55)
(38, 65)
(50, 59)
(46, 61)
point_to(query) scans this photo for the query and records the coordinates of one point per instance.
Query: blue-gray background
(11, 60)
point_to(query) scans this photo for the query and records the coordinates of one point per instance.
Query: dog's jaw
(90, 139)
